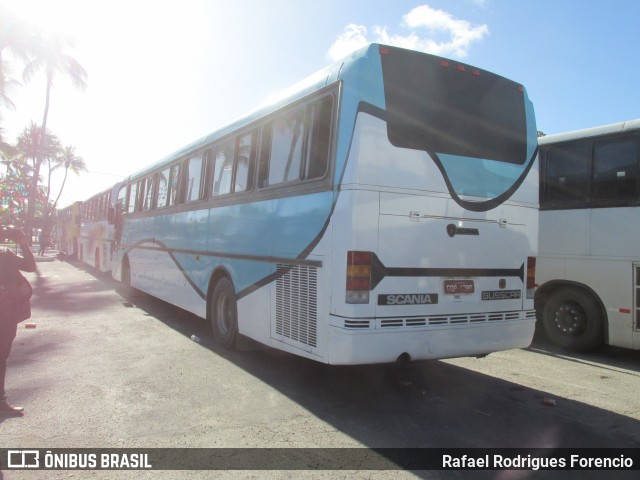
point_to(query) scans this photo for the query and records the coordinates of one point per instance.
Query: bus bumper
(354, 347)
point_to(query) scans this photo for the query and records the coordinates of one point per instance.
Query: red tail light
(358, 277)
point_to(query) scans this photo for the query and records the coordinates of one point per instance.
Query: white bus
(386, 209)
(589, 263)
(97, 231)
(68, 228)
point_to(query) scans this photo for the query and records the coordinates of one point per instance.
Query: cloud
(353, 38)
(430, 30)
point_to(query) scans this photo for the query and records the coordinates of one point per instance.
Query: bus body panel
(595, 248)
(596, 275)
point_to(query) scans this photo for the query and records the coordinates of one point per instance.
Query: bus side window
(195, 179)
(147, 194)
(286, 149)
(265, 156)
(245, 153)
(295, 146)
(567, 174)
(318, 138)
(133, 195)
(222, 168)
(122, 200)
(168, 186)
(615, 171)
(163, 188)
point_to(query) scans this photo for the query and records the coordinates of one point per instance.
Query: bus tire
(224, 314)
(572, 319)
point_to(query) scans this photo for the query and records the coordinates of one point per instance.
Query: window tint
(615, 171)
(168, 186)
(568, 173)
(140, 196)
(591, 173)
(147, 196)
(245, 152)
(194, 187)
(427, 98)
(287, 135)
(122, 199)
(223, 168)
(319, 138)
(296, 146)
(133, 198)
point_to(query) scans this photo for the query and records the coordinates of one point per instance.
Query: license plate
(455, 287)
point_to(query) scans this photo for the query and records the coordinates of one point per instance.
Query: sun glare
(49, 17)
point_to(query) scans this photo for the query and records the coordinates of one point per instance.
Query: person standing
(43, 240)
(15, 306)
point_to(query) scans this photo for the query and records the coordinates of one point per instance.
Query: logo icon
(23, 459)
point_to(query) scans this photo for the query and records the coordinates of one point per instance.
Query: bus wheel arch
(572, 316)
(222, 309)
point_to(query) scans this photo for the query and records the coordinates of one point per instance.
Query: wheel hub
(569, 319)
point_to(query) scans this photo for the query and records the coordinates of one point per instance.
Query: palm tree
(34, 147)
(70, 161)
(31, 149)
(51, 58)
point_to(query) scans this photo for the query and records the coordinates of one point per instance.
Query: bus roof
(620, 127)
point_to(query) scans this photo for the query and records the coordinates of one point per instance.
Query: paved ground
(104, 368)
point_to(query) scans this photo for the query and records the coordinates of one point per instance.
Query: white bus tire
(572, 319)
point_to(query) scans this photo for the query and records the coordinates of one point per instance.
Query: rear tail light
(358, 277)
(531, 276)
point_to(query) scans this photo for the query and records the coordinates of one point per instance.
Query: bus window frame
(254, 193)
(589, 202)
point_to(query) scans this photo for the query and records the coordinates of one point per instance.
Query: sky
(164, 73)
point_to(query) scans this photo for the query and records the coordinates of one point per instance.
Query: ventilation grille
(441, 320)
(297, 303)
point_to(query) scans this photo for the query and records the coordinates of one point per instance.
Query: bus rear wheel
(224, 314)
(572, 319)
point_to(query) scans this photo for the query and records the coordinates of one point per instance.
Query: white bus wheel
(572, 319)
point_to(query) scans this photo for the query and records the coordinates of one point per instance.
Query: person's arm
(26, 263)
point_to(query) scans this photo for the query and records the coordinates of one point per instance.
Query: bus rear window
(443, 106)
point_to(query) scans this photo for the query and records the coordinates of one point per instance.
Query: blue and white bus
(385, 210)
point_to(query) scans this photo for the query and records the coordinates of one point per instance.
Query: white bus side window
(615, 171)
(568, 173)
